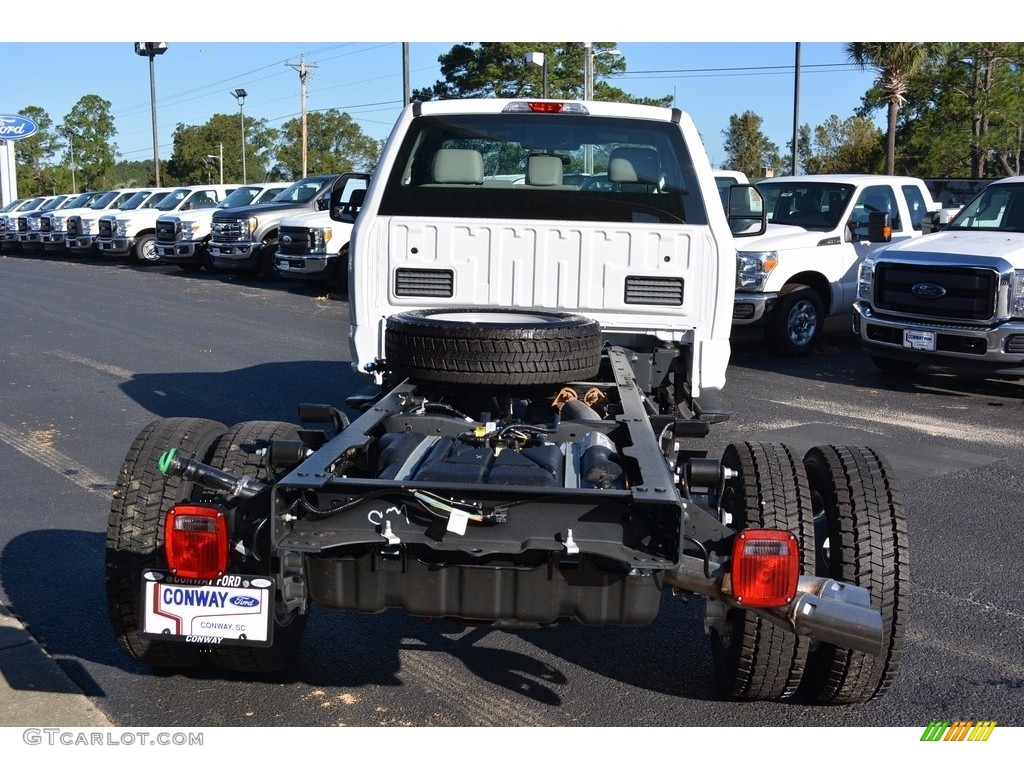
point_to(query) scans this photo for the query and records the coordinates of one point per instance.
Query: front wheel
(267, 262)
(861, 538)
(796, 323)
(145, 250)
(754, 659)
(135, 531)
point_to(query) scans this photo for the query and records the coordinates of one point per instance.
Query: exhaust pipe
(824, 609)
(833, 612)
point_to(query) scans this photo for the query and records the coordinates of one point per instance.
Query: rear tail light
(196, 541)
(562, 107)
(765, 568)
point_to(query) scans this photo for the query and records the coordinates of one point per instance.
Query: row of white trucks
(819, 256)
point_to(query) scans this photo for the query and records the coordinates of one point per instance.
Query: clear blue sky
(710, 80)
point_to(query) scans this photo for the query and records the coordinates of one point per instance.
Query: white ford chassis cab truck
(954, 298)
(542, 366)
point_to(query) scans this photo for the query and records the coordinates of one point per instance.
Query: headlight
(865, 280)
(86, 226)
(33, 224)
(250, 224)
(189, 229)
(122, 228)
(753, 268)
(1017, 300)
(321, 237)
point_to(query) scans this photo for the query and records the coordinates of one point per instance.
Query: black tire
(266, 262)
(796, 322)
(237, 452)
(135, 531)
(755, 659)
(190, 266)
(145, 250)
(340, 277)
(492, 346)
(897, 367)
(859, 512)
(207, 261)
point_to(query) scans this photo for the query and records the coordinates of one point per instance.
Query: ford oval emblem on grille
(286, 239)
(928, 291)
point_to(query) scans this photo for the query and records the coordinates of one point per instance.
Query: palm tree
(894, 63)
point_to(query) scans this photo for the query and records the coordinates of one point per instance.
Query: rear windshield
(544, 167)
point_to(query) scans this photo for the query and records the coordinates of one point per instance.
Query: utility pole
(303, 71)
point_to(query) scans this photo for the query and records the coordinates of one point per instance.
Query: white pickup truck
(804, 267)
(953, 299)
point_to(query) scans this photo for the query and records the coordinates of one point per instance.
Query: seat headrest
(634, 164)
(544, 170)
(458, 166)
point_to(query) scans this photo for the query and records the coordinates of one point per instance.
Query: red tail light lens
(765, 568)
(196, 541)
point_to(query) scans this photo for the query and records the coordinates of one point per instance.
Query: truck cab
(81, 227)
(803, 269)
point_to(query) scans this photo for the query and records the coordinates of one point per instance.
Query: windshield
(134, 201)
(469, 166)
(173, 200)
(241, 196)
(55, 203)
(32, 204)
(999, 208)
(811, 205)
(103, 200)
(81, 201)
(12, 205)
(302, 191)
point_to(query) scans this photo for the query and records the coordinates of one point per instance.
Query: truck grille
(44, 224)
(106, 228)
(969, 293)
(663, 291)
(74, 225)
(166, 231)
(425, 282)
(22, 224)
(295, 241)
(228, 230)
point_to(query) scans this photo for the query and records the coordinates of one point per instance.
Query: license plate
(284, 266)
(919, 340)
(233, 610)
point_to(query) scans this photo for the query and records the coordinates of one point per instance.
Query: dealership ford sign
(13, 127)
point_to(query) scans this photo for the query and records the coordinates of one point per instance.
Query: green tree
(894, 63)
(190, 164)
(334, 144)
(92, 127)
(746, 146)
(853, 145)
(33, 155)
(484, 70)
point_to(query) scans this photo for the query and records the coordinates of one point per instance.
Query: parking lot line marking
(113, 370)
(952, 429)
(55, 460)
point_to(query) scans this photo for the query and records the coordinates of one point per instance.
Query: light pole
(71, 144)
(220, 159)
(240, 94)
(152, 50)
(538, 59)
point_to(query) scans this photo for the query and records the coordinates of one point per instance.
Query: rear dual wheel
(755, 659)
(135, 531)
(861, 536)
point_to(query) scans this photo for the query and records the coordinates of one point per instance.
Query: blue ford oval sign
(13, 127)
(928, 291)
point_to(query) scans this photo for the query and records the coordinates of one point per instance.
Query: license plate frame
(235, 609)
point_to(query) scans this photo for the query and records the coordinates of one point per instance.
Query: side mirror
(745, 211)
(346, 210)
(932, 222)
(879, 227)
